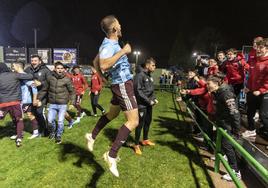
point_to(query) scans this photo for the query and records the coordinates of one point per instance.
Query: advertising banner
(44, 53)
(65, 55)
(13, 54)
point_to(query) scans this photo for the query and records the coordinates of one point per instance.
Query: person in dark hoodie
(221, 60)
(227, 116)
(10, 97)
(40, 73)
(144, 92)
(60, 91)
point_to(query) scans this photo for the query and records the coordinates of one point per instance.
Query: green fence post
(218, 150)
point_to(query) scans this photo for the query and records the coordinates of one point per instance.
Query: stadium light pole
(136, 53)
(35, 36)
(194, 54)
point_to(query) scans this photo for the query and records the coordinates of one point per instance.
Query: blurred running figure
(144, 91)
(40, 73)
(95, 88)
(60, 91)
(114, 60)
(80, 85)
(10, 97)
(28, 97)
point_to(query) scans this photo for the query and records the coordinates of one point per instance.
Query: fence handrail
(222, 133)
(262, 170)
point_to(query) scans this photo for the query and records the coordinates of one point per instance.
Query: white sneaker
(248, 133)
(18, 142)
(13, 137)
(83, 114)
(90, 141)
(227, 177)
(111, 163)
(256, 117)
(213, 158)
(76, 121)
(34, 136)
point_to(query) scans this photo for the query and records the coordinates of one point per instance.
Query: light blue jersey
(27, 89)
(120, 71)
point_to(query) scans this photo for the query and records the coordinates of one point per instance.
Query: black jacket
(227, 113)
(59, 89)
(144, 89)
(39, 73)
(10, 86)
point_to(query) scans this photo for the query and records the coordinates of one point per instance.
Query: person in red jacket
(80, 86)
(253, 102)
(205, 103)
(252, 56)
(213, 67)
(95, 88)
(235, 68)
(258, 88)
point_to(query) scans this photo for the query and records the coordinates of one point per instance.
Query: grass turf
(173, 162)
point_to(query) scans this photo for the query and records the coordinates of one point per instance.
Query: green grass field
(173, 162)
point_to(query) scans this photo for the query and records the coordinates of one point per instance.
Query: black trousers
(228, 149)
(94, 103)
(264, 111)
(237, 89)
(40, 117)
(253, 104)
(145, 119)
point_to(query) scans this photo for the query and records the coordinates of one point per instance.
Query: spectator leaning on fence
(227, 116)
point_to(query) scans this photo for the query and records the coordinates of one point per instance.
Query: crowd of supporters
(216, 87)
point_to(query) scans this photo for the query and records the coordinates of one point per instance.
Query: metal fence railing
(217, 148)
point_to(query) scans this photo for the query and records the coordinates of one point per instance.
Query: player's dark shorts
(123, 95)
(78, 99)
(15, 111)
(27, 108)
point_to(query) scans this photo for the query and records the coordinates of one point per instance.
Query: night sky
(150, 26)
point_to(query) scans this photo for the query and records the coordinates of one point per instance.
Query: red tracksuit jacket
(213, 70)
(205, 99)
(96, 83)
(79, 83)
(235, 70)
(258, 77)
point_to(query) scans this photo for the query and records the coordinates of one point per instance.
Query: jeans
(40, 117)
(52, 113)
